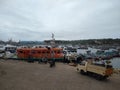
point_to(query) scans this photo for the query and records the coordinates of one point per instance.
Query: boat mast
(52, 41)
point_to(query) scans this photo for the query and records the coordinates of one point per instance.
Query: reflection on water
(116, 62)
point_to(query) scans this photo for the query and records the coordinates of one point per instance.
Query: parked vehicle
(70, 56)
(2, 53)
(99, 71)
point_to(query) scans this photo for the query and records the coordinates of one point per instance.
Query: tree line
(64, 42)
(88, 42)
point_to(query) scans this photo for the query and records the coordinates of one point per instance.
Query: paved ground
(19, 75)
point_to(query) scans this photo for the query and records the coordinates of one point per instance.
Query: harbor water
(115, 62)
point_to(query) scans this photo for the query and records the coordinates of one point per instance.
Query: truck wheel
(77, 69)
(89, 73)
(82, 72)
(99, 77)
(104, 77)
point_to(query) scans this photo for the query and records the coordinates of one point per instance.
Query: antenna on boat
(53, 36)
(53, 41)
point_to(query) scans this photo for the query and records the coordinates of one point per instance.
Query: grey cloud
(67, 19)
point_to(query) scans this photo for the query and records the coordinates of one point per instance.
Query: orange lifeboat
(39, 53)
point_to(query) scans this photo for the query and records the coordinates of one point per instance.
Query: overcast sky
(67, 19)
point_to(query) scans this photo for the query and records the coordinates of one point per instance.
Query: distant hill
(31, 42)
(22, 42)
(88, 42)
(65, 42)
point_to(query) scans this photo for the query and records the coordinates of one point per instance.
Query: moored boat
(40, 53)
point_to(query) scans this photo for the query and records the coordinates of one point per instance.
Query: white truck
(100, 72)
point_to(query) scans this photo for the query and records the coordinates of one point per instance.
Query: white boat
(10, 48)
(7, 51)
(2, 51)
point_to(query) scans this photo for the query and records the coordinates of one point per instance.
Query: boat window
(33, 52)
(52, 52)
(55, 52)
(39, 52)
(27, 51)
(2, 51)
(58, 51)
(43, 52)
(20, 51)
(48, 51)
(64, 52)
